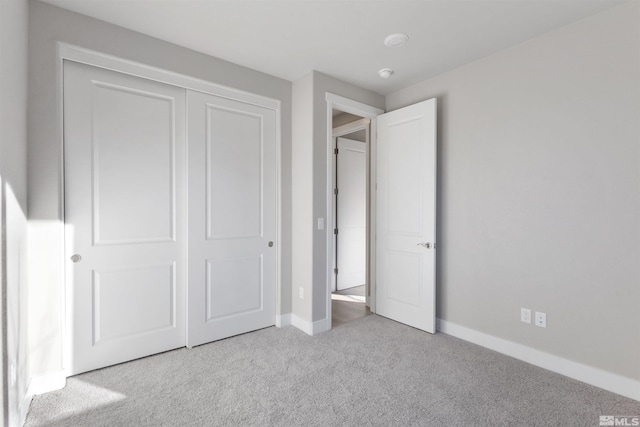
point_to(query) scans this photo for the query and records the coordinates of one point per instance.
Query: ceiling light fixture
(385, 73)
(396, 40)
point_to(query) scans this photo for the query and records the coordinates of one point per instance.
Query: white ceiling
(344, 39)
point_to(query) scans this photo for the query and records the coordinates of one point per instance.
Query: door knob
(270, 244)
(425, 245)
(76, 258)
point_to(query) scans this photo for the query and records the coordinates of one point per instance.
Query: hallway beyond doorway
(348, 305)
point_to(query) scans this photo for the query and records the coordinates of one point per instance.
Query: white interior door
(232, 217)
(351, 217)
(124, 215)
(405, 208)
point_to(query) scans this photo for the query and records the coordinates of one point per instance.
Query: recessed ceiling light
(396, 40)
(385, 73)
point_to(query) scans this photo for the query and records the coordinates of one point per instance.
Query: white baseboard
(311, 328)
(321, 326)
(283, 320)
(597, 377)
(46, 383)
(301, 324)
(25, 403)
(40, 385)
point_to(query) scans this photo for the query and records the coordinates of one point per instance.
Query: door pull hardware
(76, 258)
(425, 245)
(270, 244)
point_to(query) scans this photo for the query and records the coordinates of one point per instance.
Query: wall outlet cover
(525, 315)
(541, 319)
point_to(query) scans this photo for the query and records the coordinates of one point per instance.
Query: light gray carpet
(369, 372)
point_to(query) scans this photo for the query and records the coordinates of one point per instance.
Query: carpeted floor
(369, 372)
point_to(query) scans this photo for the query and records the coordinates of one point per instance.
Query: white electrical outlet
(301, 292)
(320, 223)
(525, 315)
(541, 319)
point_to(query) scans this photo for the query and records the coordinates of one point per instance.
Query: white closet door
(405, 209)
(124, 215)
(232, 217)
(351, 218)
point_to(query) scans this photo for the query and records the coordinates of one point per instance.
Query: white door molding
(102, 60)
(368, 112)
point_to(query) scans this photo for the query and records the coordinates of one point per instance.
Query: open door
(405, 210)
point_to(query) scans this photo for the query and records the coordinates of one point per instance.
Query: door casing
(367, 112)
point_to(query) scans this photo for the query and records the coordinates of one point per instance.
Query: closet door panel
(124, 146)
(232, 217)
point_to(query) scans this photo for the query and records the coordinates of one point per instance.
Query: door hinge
(335, 271)
(335, 151)
(335, 191)
(335, 231)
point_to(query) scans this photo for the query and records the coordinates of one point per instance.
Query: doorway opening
(364, 116)
(350, 289)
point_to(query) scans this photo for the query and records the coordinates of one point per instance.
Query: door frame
(69, 52)
(367, 112)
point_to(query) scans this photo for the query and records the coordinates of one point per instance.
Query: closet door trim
(126, 66)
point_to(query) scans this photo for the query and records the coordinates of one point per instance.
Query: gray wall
(49, 24)
(13, 205)
(302, 197)
(539, 190)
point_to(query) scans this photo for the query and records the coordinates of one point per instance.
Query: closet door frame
(68, 52)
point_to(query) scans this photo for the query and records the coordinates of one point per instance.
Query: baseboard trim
(301, 324)
(309, 328)
(283, 320)
(39, 385)
(321, 326)
(46, 383)
(597, 377)
(23, 409)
